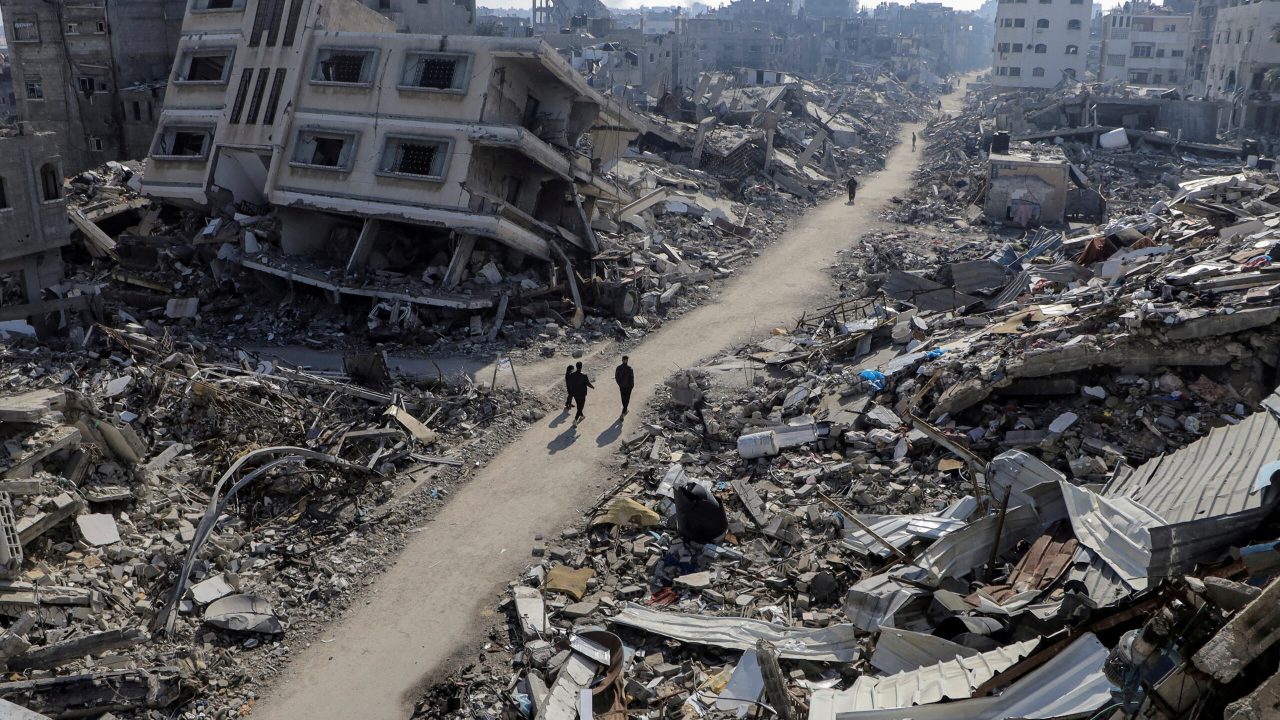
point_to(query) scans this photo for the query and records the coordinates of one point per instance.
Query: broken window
(50, 182)
(1004, 47)
(344, 66)
(242, 93)
(1073, 24)
(4, 199)
(1041, 49)
(73, 28)
(1017, 47)
(419, 157)
(1042, 24)
(435, 71)
(86, 85)
(182, 142)
(1019, 22)
(35, 89)
(273, 100)
(1037, 72)
(218, 4)
(1015, 72)
(206, 67)
(324, 149)
(26, 31)
(1073, 49)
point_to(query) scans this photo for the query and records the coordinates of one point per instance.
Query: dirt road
(433, 602)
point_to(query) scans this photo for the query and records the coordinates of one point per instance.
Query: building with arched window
(33, 223)
(1144, 44)
(1032, 41)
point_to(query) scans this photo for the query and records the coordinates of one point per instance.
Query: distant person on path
(568, 388)
(853, 189)
(913, 142)
(939, 104)
(578, 384)
(626, 379)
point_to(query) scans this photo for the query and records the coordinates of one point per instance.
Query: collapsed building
(423, 153)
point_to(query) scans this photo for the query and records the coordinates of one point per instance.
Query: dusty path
(432, 603)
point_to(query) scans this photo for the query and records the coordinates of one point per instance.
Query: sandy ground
(435, 602)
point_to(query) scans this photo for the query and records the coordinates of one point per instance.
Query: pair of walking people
(576, 384)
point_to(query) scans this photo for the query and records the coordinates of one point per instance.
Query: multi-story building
(1038, 43)
(1244, 64)
(1204, 17)
(8, 99)
(379, 149)
(33, 224)
(93, 71)
(1144, 44)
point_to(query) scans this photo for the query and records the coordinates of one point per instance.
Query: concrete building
(1204, 18)
(437, 17)
(1244, 65)
(8, 99)
(1145, 45)
(1038, 43)
(1028, 187)
(380, 149)
(33, 226)
(93, 71)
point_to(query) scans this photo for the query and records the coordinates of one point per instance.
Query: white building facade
(1145, 45)
(1040, 42)
(1244, 65)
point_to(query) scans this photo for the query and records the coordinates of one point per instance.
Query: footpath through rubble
(1031, 477)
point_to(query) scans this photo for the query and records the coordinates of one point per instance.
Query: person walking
(578, 385)
(626, 379)
(913, 142)
(568, 388)
(853, 189)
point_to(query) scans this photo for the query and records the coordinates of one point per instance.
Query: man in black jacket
(568, 388)
(626, 380)
(578, 384)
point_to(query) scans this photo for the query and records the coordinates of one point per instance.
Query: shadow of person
(563, 440)
(558, 420)
(611, 433)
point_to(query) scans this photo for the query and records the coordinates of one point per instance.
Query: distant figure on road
(626, 379)
(578, 384)
(939, 104)
(853, 189)
(568, 388)
(913, 142)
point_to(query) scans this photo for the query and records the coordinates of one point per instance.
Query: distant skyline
(634, 4)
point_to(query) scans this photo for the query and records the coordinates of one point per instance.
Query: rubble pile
(1034, 481)
(174, 526)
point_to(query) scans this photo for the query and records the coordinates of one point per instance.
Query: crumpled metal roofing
(834, 643)
(951, 680)
(1212, 476)
(902, 530)
(1070, 684)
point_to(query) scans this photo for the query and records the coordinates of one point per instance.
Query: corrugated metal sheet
(902, 530)
(952, 680)
(879, 599)
(1209, 478)
(1043, 564)
(900, 651)
(835, 643)
(1010, 293)
(978, 275)
(1116, 529)
(963, 550)
(924, 293)
(1070, 684)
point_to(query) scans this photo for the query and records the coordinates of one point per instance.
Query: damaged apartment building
(94, 71)
(422, 171)
(33, 229)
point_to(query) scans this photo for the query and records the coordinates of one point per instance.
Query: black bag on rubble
(699, 516)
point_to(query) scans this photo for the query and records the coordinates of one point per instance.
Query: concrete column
(811, 149)
(364, 246)
(703, 128)
(458, 263)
